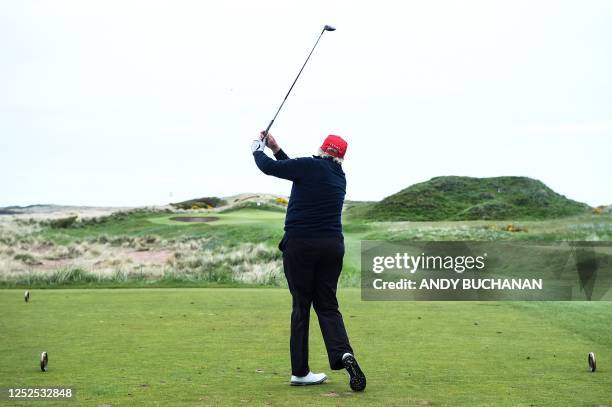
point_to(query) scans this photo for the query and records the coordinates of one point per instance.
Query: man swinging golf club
(313, 248)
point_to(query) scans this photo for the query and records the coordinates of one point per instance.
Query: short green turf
(230, 347)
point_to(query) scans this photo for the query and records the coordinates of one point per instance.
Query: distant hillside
(16, 210)
(466, 198)
(53, 211)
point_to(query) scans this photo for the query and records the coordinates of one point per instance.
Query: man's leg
(325, 303)
(298, 265)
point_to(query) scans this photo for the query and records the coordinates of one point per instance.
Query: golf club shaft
(292, 85)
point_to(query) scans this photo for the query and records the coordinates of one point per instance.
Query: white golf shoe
(310, 378)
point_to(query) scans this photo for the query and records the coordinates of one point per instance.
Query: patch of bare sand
(111, 257)
(99, 258)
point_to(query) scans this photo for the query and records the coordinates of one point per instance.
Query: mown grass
(227, 347)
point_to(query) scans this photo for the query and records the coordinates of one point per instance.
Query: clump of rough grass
(58, 277)
(12, 229)
(561, 230)
(76, 275)
(65, 252)
(127, 241)
(460, 232)
(27, 258)
(247, 263)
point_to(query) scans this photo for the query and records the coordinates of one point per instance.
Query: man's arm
(280, 155)
(284, 167)
(291, 169)
(271, 143)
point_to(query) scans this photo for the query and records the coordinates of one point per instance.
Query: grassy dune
(468, 198)
(230, 347)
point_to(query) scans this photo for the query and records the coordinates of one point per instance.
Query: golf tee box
(483, 271)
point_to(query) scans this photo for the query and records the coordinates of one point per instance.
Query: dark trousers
(312, 268)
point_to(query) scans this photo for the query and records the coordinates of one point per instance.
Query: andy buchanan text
(459, 284)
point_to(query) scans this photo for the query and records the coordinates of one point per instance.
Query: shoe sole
(357, 378)
(308, 383)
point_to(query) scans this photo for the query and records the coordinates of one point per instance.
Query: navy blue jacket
(317, 194)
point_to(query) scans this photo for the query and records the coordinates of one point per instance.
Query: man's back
(317, 194)
(315, 205)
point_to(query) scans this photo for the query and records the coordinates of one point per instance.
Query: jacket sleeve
(281, 155)
(290, 169)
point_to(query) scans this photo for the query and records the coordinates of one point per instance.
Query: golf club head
(329, 28)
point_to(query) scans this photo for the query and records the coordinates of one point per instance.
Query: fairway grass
(230, 347)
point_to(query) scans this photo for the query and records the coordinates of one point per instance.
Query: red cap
(334, 146)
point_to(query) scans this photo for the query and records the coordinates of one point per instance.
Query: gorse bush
(200, 203)
(62, 223)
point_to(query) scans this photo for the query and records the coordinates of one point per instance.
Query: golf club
(326, 28)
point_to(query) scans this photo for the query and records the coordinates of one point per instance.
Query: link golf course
(138, 307)
(322, 203)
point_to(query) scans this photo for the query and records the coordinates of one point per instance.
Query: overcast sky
(139, 103)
